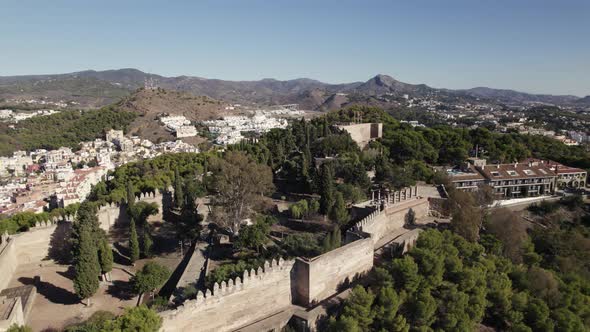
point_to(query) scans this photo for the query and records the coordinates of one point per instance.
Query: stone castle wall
(382, 222)
(272, 290)
(25, 248)
(47, 239)
(8, 261)
(323, 276)
(228, 306)
(110, 214)
(363, 133)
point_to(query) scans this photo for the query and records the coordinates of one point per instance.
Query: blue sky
(536, 46)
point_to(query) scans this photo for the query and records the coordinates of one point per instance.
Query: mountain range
(97, 88)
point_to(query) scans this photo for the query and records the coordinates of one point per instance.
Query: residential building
(466, 178)
(566, 176)
(519, 179)
(532, 177)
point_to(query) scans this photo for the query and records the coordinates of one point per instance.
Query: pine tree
(178, 190)
(400, 324)
(358, 307)
(146, 242)
(105, 255)
(326, 189)
(130, 195)
(87, 266)
(338, 213)
(133, 243)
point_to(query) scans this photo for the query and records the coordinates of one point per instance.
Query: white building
(186, 131)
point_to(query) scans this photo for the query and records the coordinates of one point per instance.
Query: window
(512, 173)
(528, 172)
(495, 174)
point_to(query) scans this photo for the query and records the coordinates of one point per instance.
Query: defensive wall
(110, 214)
(363, 133)
(393, 213)
(34, 245)
(24, 248)
(271, 292)
(320, 277)
(257, 294)
(48, 239)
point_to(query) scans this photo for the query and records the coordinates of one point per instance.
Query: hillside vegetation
(67, 128)
(511, 279)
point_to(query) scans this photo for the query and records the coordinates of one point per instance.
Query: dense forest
(512, 278)
(402, 156)
(67, 128)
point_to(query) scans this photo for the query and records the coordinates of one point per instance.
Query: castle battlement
(250, 279)
(368, 220)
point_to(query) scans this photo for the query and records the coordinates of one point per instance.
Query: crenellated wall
(270, 292)
(157, 198)
(110, 214)
(257, 294)
(272, 289)
(382, 222)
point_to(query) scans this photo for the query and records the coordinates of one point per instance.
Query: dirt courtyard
(56, 305)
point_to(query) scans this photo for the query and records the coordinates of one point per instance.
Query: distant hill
(150, 104)
(384, 84)
(512, 96)
(97, 88)
(585, 101)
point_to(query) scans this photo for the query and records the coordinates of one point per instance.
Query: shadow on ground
(70, 273)
(51, 292)
(123, 290)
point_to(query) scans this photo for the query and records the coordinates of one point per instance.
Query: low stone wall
(258, 294)
(13, 313)
(321, 277)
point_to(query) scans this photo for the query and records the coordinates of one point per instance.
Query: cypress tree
(178, 190)
(336, 238)
(85, 219)
(326, 189)
(133, 243)
(146, 242)
(130, 195)
(338, 213)
(326, 127)
(87, 267)
(105, 256)
(327, 243)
